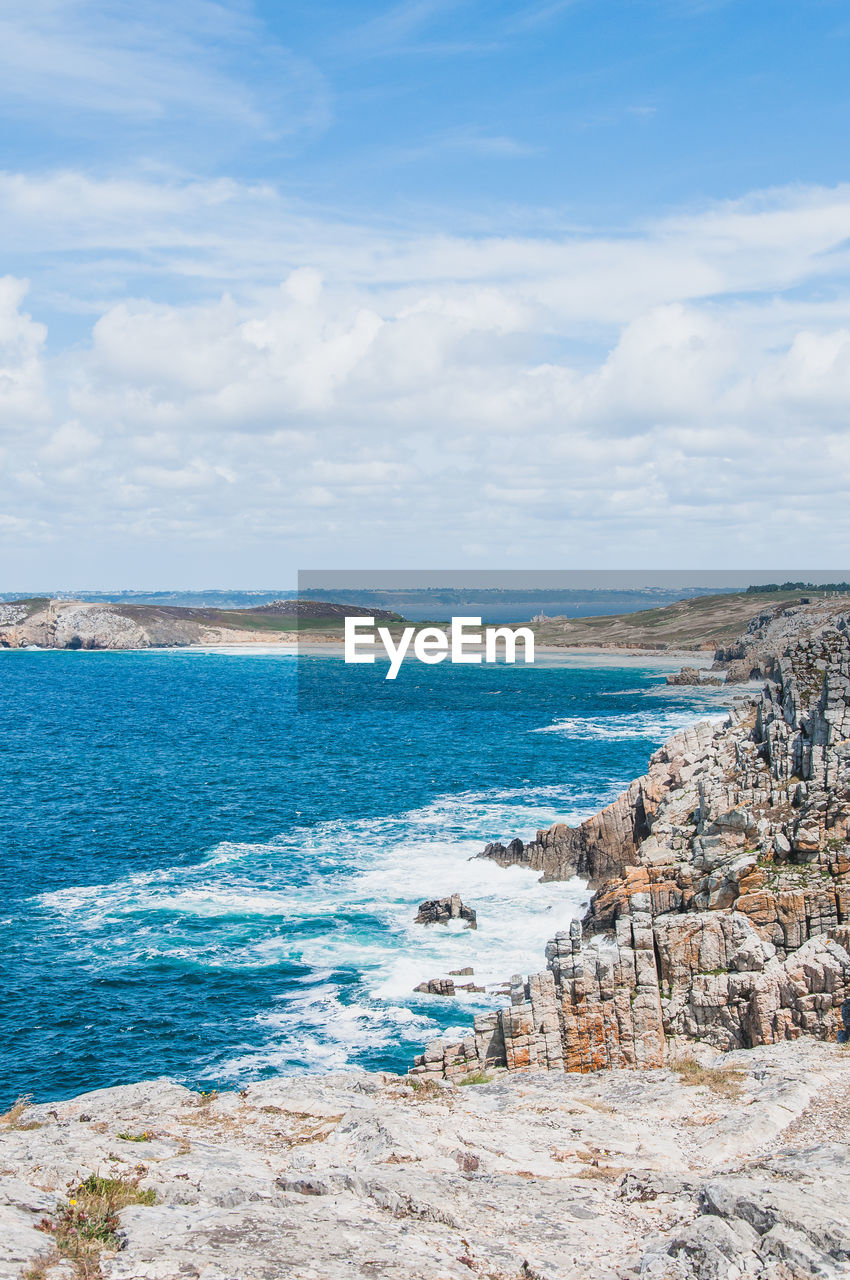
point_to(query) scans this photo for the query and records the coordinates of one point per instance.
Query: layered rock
(722, 910)
(693, 676)
(442, 910)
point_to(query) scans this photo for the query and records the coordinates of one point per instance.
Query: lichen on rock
(722, 904)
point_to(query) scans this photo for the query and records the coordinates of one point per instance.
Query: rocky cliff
(79, 624)
(722, 904)
(755, 653)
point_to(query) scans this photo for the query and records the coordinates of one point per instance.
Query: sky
(433, 284)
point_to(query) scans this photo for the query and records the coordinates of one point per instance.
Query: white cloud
(68, 444)
(223, 233)
(677, 395)
(167, 60)
(22, 393)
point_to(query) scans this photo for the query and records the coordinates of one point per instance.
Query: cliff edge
(722, 905)
(79, 624)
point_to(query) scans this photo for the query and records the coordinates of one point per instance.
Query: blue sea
(211, 859)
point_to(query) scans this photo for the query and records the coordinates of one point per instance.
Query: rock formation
(79, 624)
(693, 676)
(722, 904)
(442, 910)
(446, 986)
(437, 987)
(755, 654)
(736, 1166)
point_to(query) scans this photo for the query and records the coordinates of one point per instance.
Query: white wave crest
(653, 725)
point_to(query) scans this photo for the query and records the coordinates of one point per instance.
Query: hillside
(75, 624)
(703, 622)
(717, 622)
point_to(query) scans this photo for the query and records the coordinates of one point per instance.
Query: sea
(211, 859)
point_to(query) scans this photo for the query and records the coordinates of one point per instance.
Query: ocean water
(210, 860)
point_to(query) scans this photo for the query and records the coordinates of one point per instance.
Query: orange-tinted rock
(723, 902)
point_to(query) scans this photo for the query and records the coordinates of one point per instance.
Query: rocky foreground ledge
(732, 1169)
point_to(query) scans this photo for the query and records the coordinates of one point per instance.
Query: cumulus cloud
(22, 391)
(673, 396)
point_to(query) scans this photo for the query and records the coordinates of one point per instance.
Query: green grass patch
(87, 1224)
(477, 1077)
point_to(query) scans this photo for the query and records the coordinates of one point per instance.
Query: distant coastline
(696, 624)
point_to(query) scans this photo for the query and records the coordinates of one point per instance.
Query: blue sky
(439, 110)
(545, 284)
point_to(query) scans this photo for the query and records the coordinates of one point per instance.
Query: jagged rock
(442, 910)
(693, 676)
(722, 903)
(756, 653)
(446, 986)
(437, 987)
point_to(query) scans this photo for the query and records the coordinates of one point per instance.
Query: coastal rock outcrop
(755, 654)
(437, 987)
(558, 1177)
(722, 904)
(78, 624)
(693, 676)
(445, 987)
(442, 910)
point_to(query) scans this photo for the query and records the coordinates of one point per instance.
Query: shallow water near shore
(211, 861)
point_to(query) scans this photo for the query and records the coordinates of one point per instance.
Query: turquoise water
(208, 876)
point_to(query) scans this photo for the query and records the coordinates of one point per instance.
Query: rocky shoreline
(722, 876)
(714, 956)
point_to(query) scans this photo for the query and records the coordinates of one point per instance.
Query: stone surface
(693, 676)
(722, 904)
(442, 910)
(566, 1177)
